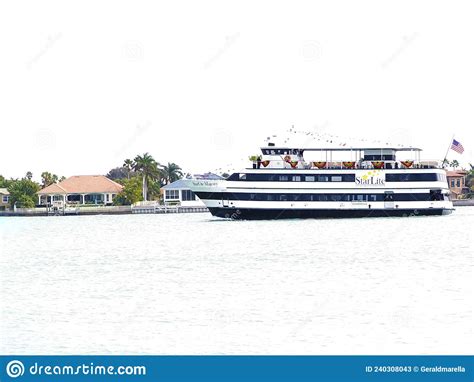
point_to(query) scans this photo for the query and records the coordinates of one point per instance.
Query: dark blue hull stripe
(320, 197)
(260, 214)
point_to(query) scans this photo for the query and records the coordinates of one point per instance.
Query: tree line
(23, 191)
(141, 178)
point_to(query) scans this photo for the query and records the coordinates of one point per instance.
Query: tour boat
(369, 182)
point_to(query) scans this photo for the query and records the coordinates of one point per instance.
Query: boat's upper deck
(342, 158)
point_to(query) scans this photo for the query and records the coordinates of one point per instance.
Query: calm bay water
(192, 284)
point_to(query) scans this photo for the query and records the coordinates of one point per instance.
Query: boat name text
(370, 178)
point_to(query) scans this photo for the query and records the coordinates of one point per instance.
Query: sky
(85, 85)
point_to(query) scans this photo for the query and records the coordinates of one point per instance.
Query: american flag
(456, 146)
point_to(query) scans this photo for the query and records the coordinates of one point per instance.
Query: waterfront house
(80, 189)
(4, 198)
(457, 183)
(178, 193)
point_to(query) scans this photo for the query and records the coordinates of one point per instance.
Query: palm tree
(454, 164)
(128, 165)
(171, 173)
(47, 178)
(445, 163)
(148, 167)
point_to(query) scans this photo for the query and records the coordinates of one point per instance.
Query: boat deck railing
(349, 165)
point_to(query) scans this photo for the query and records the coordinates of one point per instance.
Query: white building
(178, 193)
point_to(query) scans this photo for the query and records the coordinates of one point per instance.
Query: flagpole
(447, 151)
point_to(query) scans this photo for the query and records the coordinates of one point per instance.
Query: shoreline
(105, 210)
(463, 202)
(127, 210)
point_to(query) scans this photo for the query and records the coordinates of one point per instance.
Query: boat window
(436, 195)
(348, 178)
(283, 197)
(259, 177)
(430, 177)
(379, 157)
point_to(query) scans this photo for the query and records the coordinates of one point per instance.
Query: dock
(463, 202)
(164, 209)
(139, 208)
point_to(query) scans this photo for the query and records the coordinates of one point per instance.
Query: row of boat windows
(411, 177)
(421, 197)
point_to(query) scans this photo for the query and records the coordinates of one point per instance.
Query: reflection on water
(189, 284)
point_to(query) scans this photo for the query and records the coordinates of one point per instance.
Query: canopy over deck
(342, 148)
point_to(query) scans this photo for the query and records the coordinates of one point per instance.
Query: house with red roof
(80, 189)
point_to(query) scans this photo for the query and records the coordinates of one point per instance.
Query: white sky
(84, 85)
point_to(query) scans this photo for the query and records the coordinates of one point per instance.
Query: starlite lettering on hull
(370, 178)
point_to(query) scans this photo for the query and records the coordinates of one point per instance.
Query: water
(191, 284)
